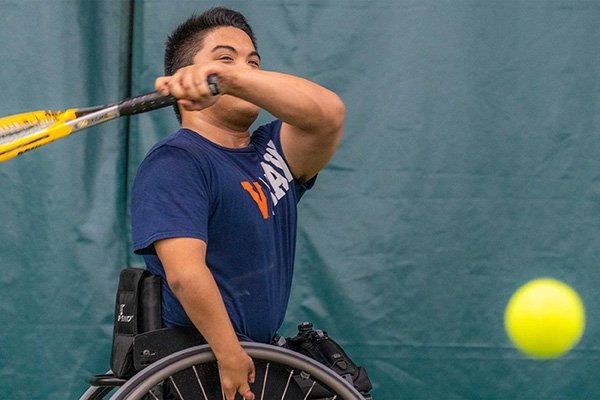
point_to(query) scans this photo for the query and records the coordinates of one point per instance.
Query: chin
(241, 108)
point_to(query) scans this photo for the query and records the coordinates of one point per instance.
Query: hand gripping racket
(23, 132)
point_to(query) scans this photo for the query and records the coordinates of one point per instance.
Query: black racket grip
(154, 100)
(145, 102)
(213, 84)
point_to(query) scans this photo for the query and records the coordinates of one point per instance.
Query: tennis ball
(545, 318)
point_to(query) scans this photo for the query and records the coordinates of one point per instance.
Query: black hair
(187, 39)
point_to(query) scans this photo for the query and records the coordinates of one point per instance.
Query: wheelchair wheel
(280, 374)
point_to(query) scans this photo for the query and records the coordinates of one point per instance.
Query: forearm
(294, 100)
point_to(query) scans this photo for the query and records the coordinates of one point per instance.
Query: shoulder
(178, 141)
(174, 161)
(176, 150)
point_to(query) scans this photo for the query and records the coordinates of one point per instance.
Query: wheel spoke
(310, 390)
(262, 395)
(287, 384)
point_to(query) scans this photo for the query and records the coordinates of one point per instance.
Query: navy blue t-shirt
(242, 203)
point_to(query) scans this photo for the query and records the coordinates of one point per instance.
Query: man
(214, 207)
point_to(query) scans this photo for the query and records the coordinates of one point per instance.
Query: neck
(217, 131)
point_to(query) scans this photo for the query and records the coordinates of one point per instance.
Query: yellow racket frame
(56, 130)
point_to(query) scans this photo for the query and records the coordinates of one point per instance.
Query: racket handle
(145, 102)
(213, 84)
(154, 100)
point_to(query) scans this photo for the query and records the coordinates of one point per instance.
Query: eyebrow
(232, 49)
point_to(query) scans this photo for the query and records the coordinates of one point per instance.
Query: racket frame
(73, 120)
(67, 122)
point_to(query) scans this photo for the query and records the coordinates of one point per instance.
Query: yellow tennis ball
(545, 318)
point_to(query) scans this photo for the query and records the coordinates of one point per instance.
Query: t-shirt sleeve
(272, 131)
(169, 199)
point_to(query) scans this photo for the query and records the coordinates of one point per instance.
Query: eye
(225, 58)
(254, 63)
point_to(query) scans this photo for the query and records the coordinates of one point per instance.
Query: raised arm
(312, 116)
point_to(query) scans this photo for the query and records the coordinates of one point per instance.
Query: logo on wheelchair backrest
(121, 317)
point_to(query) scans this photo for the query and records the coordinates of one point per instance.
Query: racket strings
(15, 129)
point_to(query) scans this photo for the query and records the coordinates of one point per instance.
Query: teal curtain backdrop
(470, 165)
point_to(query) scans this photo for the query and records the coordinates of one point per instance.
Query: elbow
(179, 280)
(332, 116)
(337, 114)
(176, 283)
(325, 116)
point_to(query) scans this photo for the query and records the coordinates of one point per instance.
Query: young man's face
(231, 46)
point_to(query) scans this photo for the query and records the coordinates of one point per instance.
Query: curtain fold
(469, 165)
(62, 207)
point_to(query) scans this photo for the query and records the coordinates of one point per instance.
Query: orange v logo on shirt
(258, 196)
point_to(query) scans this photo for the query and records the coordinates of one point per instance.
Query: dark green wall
(470, 164)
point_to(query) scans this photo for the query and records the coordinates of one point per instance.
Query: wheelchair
(170, 367)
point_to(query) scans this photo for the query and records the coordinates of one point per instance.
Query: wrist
(229, 355)
(231, 80)
(224, 344)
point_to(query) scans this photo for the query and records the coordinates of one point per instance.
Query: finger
(188, 84)
(252, 374)
(200, 82)
(228, 394)
(161, 85)
(246, 393)
(175, 87)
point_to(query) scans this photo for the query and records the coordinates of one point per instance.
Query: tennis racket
(23, 132)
